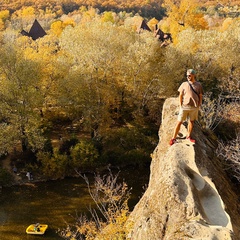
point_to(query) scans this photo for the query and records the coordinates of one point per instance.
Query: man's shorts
(188, 113)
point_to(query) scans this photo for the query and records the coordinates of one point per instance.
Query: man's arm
(180, 99)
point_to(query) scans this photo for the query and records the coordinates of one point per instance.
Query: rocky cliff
(188, 196)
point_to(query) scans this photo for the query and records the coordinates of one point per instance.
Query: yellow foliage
(28, 11)
(4, 15)
(133, 22)
(195, 48)
(89, 229)
(69, 22)
(116, 228)
(226, 24)
(183, 14)
(108, 17)
(152, 23)
(57, 27)
(164, 25)
(198, 22)
(89, 14)
(83, 9)
(2, 26)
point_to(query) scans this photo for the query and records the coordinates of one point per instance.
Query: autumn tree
(58, 26)
(54, 67)
(183, 14)
(30, 71)
(20, 99)
(4, 15)
(113, 67)
(83, 154)
(212, 53)
(108, 17)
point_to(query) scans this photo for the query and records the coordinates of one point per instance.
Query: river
(56, 203)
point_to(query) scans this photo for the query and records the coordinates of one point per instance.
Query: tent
(35, 32)
(24, 33)
(143, 26)
(162, 36)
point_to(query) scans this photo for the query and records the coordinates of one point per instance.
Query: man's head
(191, 74)
(191, 71)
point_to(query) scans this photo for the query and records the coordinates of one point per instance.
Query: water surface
(53, 203)
(56, 203)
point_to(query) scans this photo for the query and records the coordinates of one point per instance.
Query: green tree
(84, 154)
(29, 72)
(20, 99)
(108, 17)
(54, 165)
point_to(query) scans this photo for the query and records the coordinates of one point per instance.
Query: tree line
(146, 8)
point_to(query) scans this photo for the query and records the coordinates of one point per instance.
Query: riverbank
(124, 174)
(18, 177)
(55, 202)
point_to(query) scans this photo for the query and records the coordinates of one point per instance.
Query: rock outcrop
(188, 196)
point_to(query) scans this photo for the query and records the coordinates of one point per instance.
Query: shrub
(83, 154)
(220, 115)
(212, 109)
(111, 200)
(53, 165)
(230, 153)
(228, 128)
(127, 146)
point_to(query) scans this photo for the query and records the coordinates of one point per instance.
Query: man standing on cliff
(190, 100)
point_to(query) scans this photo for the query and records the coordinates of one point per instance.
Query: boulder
(189, 196)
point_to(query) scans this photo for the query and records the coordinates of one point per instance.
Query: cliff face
(189, 195)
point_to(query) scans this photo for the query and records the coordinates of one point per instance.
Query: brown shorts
(190, 113)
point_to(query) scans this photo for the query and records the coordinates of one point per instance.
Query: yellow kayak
(37, 229)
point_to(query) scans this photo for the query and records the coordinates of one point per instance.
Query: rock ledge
(183, 199)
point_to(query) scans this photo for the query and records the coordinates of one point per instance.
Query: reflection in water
(56, 203)
(52, 203)
(3, 216)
